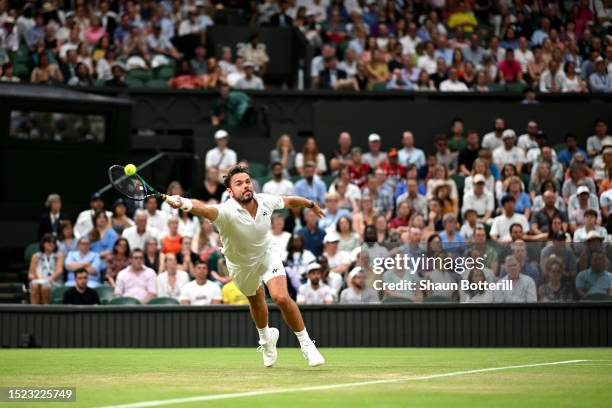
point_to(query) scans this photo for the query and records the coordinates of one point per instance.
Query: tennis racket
(133, 186)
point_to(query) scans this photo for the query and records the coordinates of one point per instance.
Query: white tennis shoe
(312, 354)
(268, 348)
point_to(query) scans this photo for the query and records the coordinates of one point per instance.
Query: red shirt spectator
(510, 69)
(391, 167)
(358, 170)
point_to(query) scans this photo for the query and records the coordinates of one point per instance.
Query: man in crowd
(137, 281)
(200, 291)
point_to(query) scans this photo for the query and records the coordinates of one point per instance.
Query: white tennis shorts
(248, 280)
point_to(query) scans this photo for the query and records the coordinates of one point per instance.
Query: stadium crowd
(539, 216)
(436, 45)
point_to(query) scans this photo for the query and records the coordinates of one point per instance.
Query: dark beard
(246, 200)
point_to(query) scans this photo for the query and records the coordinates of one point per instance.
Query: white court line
(327, 387)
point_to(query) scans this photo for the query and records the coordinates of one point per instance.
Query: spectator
(523, 288)
(331, 212)
(200, 291)
(199, 62)
(573, 81)
(555, 289)
(374, 157)
(80, 294)
(83, 257)
(339, 261)
(579, 203)
(509, 153)
(310, 153)
(479, 167)
(211, 190)
(590, 224)
(541, 219)
(310, 187)
(119, 260)
(453, 84)
(231, 295)
(279, 237)
(102, 237)
(84, 222)
(601, 79)
(357, 292)
(120, 220)
(452, 240)
(313, 235)
(596, 279)
(314, 292)
(141, 232)
(184, 77)
(510, 70)
(479, 199)
(409, 154)
(171, 281)
(118, 76)
(255, 53)
(221, 156)
(278, 185)
(493, 140)
(7, 73)
(514, 186)
(187, 258)
(66, 241)
(171, 242)
(526, 266)
(333, 78)
(50, 221)
(469, 153)
(444, 156)
(357, 168)
(500, 229)
(381, 196)
(45, 72)
(566, 156)
(284, 154)
(45, 270)
(137, 281)
(596, 142)
(553, 79)
(476, 295)
(250, 81)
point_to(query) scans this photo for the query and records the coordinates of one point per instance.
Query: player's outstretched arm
(196, 207)
(301, 202)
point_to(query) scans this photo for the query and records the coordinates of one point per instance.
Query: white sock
(264, 334)
(303, 337)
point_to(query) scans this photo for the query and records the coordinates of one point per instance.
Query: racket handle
(164, 197)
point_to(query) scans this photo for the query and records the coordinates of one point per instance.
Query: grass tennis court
(121, 376)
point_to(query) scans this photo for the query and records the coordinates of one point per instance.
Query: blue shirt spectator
(523, 202)
(106, 242)
(591, 282)
(600, 81)
(310, 187)
(83, 257)
(313, 239)
(565, 156)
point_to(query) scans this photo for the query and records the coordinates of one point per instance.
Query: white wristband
(187, 204)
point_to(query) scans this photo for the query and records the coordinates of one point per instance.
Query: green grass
(119, 376)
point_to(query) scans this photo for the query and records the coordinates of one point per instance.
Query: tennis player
(244, 224)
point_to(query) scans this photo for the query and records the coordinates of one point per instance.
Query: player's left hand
(317, 210)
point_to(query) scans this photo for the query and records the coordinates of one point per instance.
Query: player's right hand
(174, 201)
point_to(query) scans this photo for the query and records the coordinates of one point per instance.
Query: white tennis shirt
(246, 239)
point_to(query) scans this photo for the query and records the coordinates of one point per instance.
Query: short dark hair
(570, 135)
(136, 251)
(47, 238)
(80, 271)
(237, 169)
(507, 198)
(516, 224)
(591, 212)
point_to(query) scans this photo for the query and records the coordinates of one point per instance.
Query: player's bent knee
(281, 300)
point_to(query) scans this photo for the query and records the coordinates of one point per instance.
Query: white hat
(331, 236)
(312, 266)
(508, 134)
(479, 178)
(374, 137)
(220, 134)
(354, 272)
(582, 189)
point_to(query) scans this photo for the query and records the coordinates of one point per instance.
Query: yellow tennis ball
(130, 170)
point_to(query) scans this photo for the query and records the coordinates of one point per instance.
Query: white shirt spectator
(158, 221)
(163, 286)
(449, 85)
(491, 141)
(501, 156)
(547, 78)
(321, 165)
(188, 27)
(413, 156)
(428, 64)
(526, 143)
(409, 44)
(524, 58)
(255, 83)
(351, 297)
(221, 159)
(200, 295)
(137, 240)
(189, 227)
(605, 200)
(310, 296)
(84, 223)
(482, 204)
(282, 188)
(341, 258)
(523, 291)
(501, 225)
(595, 143)
(352, 191)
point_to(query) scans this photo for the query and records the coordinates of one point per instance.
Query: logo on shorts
(275, 270)
(265, 213)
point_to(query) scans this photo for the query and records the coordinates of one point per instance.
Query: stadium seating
(257, 169)
(57, 294)
(164, 72)
(124, 301)
(163, 301)
(105, 293)
(597, 297)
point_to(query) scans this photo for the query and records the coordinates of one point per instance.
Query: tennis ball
(130, 170)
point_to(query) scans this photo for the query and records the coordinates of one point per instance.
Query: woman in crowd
(102, 237)
(476, 295)
(440, 177)
(119, 260)
(555, 288)
(349, 239)
(365, 216)
(188, 225)
(120, 220)
(541, 175)
(573, 81)
(280, 237)
(508, 171)
(45, 72)
(404, 212)
(310, 152)
(154, 259)
(449, 205)
(211, 189)
(479, 167)
(514, 187)
(65, 237)
(284, 153)
(171, 242)
(184, 77)
(187, 258)
(45, 271)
